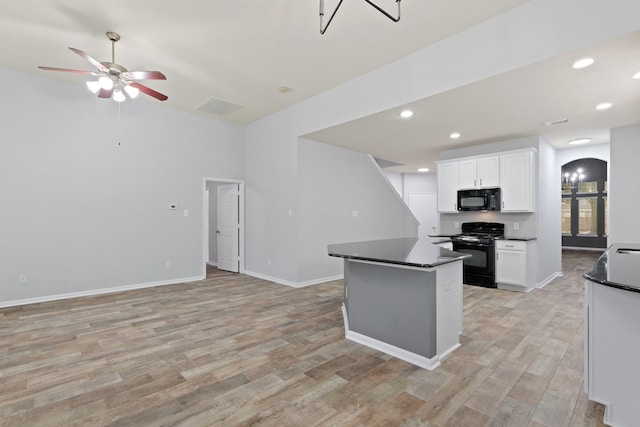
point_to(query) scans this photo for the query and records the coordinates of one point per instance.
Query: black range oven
(478, 240)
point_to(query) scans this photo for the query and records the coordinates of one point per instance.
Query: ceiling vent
(217, 107)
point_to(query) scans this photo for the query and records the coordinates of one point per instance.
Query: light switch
(354, 213)
(185, 212)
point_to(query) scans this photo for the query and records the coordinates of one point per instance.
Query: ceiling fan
(114, 79)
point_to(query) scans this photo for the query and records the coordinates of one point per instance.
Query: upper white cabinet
(483, 172)
(517, 181)
(448, 176)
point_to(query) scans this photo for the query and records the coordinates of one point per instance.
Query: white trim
(213, 264)
(205, 220)
(95, 292)
(293, 284)
(407, 356)
(398, 352)
(548, 280)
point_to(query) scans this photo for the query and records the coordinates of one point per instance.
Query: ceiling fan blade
(67, 70)
(92, 61)
(149, 91)
(105, 93)
(144, 75)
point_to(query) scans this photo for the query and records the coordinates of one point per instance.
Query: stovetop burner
(480, 232)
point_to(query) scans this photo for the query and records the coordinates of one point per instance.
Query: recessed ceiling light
(604, 106)
(455, 135)
(637, 75)
(579, 141)
(582, 63)
(423, 170)
(406, 114)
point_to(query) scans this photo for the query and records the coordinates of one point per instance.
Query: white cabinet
(448, 175)
(514, 264)
(517, 181)
(612, 351)
(482, 172)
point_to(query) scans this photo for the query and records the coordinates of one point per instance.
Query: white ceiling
(242, 51)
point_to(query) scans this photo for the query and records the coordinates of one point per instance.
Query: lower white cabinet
(514, 264)
(612, 351)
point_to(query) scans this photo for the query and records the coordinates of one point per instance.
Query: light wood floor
(234, 350)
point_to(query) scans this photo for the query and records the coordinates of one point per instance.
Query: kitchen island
(403, 297)
(612, 340)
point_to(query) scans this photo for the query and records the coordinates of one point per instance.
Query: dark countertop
(618, 267)
(410, 251)
(523, 239)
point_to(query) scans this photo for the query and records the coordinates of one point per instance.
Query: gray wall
(81, 213)
(624, 204)
(333, 183)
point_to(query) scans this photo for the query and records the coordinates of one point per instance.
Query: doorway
(223, 225)
(424, 207)
(585, 204)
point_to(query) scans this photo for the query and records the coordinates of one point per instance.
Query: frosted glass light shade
(131, 91)
(105, 83)
(118, 96)
(94, 86)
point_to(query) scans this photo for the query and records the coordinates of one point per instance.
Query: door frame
(206, 225)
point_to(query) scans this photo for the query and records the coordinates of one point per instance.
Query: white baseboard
(292, 284)
(549, 279)
(391, 350)
(212, 263)
(94, 292)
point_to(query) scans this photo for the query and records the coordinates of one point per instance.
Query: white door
(228, 227)
(424, 207)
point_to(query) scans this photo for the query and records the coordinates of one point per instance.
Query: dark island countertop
(409, 251)
(522, 239)
(618, 267)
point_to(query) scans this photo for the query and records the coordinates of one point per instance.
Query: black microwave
(487, 199)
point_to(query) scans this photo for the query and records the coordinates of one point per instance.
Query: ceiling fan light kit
(323, 28)
(114, 80)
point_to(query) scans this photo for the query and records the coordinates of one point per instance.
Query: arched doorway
(584, 203)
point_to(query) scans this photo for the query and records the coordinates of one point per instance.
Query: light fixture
(405, 114)
(378, 8)
(131, 91)
(582, 63)
(572, 178)
(118, 96)
(637, 75)
(105, 83)
(604, 106)
(422, 170)
(94, 86)
(579, 141)
(455, 135)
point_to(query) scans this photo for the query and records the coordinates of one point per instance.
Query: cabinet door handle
(474, 183)
(503, 204)
(480, 182)
(508, 246)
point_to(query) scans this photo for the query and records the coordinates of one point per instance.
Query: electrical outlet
(268, 261)
(516, 226)
(22, 278)
(169, 264)
(185, 212)
(456, 225)
(354, 213)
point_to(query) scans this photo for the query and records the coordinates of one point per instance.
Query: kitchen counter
(403, 297)
(618, 267)
(612, 347)
(521, 239)
(422, 252)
